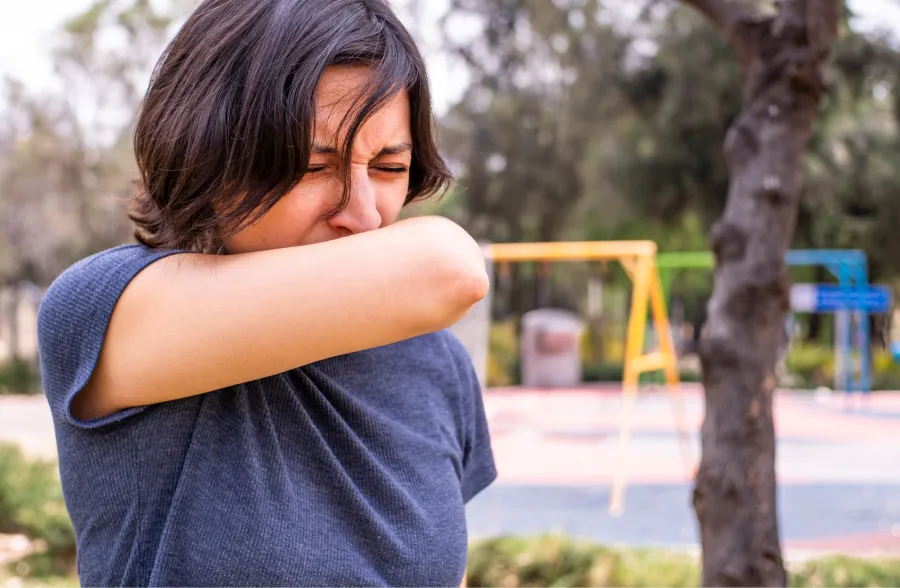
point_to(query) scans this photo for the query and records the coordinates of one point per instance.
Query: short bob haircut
(226, 126)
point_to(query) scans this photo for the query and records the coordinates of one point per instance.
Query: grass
(514, 562)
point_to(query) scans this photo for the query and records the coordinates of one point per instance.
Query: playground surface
(839, 468)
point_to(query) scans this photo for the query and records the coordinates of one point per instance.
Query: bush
(812, 364)
(846, 571)
(18, 377)
(602, 372)
(31, 503)
(512, 562)
(556, 561)
(885, 371)
(503, 354)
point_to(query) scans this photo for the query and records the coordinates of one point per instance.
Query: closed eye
(393, 169)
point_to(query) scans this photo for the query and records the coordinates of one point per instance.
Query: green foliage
(846, 571)
(82, 166)
(31, 502)
(885, 372)
(503, 354)
(681, 101)
(18, 377)
(558, 561)
(548, 561)
(23, 575)
(602, 372)
(525, 140)
(813, 364)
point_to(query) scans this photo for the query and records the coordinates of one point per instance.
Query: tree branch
(727, 16)
(822, 20)
(817, 20)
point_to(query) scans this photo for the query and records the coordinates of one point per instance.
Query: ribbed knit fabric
(352, 471)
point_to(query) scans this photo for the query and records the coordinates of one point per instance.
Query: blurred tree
(783, 50)
(683, 98)
(852, 178)
(543, 87)
(67, 162)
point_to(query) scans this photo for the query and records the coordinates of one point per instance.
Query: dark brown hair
(226, 126)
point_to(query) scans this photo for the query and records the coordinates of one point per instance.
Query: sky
(27, 30)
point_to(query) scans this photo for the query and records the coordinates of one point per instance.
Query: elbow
(460, 291)
(456, 277)
(474, 287)
(465, 284)
(467, 288)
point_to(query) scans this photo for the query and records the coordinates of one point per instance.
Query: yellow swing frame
(638, 258)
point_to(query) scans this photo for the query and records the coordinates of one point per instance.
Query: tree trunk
(10, 319)
(735, 490)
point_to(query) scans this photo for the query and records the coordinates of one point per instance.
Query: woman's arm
(192, 323)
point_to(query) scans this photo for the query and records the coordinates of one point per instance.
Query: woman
(261, 392)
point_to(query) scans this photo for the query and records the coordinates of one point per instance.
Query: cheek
(295, 220)
(392, 200)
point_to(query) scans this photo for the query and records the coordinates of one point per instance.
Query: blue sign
(833, 298)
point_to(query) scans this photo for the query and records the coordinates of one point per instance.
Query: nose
(361, 213)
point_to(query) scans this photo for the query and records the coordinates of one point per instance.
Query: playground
(613, 463)
(839, 470)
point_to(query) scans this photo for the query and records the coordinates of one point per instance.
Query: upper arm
(74, 317)
(193, 323)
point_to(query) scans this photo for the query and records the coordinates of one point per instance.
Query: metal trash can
(550, 348)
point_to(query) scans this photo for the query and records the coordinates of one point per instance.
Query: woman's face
(379, 174)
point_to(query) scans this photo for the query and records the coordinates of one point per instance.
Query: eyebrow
(397, 149)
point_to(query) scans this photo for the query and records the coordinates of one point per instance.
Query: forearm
(193, 323)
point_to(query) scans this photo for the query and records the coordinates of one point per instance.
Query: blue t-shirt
(347, 472)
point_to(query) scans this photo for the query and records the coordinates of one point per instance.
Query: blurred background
(564, 120)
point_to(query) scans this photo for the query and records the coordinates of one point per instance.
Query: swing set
(638, 259)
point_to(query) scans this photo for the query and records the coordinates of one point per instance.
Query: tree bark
(783, 56)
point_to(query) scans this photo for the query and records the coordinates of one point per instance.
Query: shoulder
(100, 267)
(99, 276)
(75, 312)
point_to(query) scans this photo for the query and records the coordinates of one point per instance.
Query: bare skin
(295, 288)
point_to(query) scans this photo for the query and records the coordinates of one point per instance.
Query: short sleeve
(72, 323)
(478, 468)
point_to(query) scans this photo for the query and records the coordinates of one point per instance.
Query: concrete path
(26, 420)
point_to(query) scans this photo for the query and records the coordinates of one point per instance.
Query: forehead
(339, 95)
